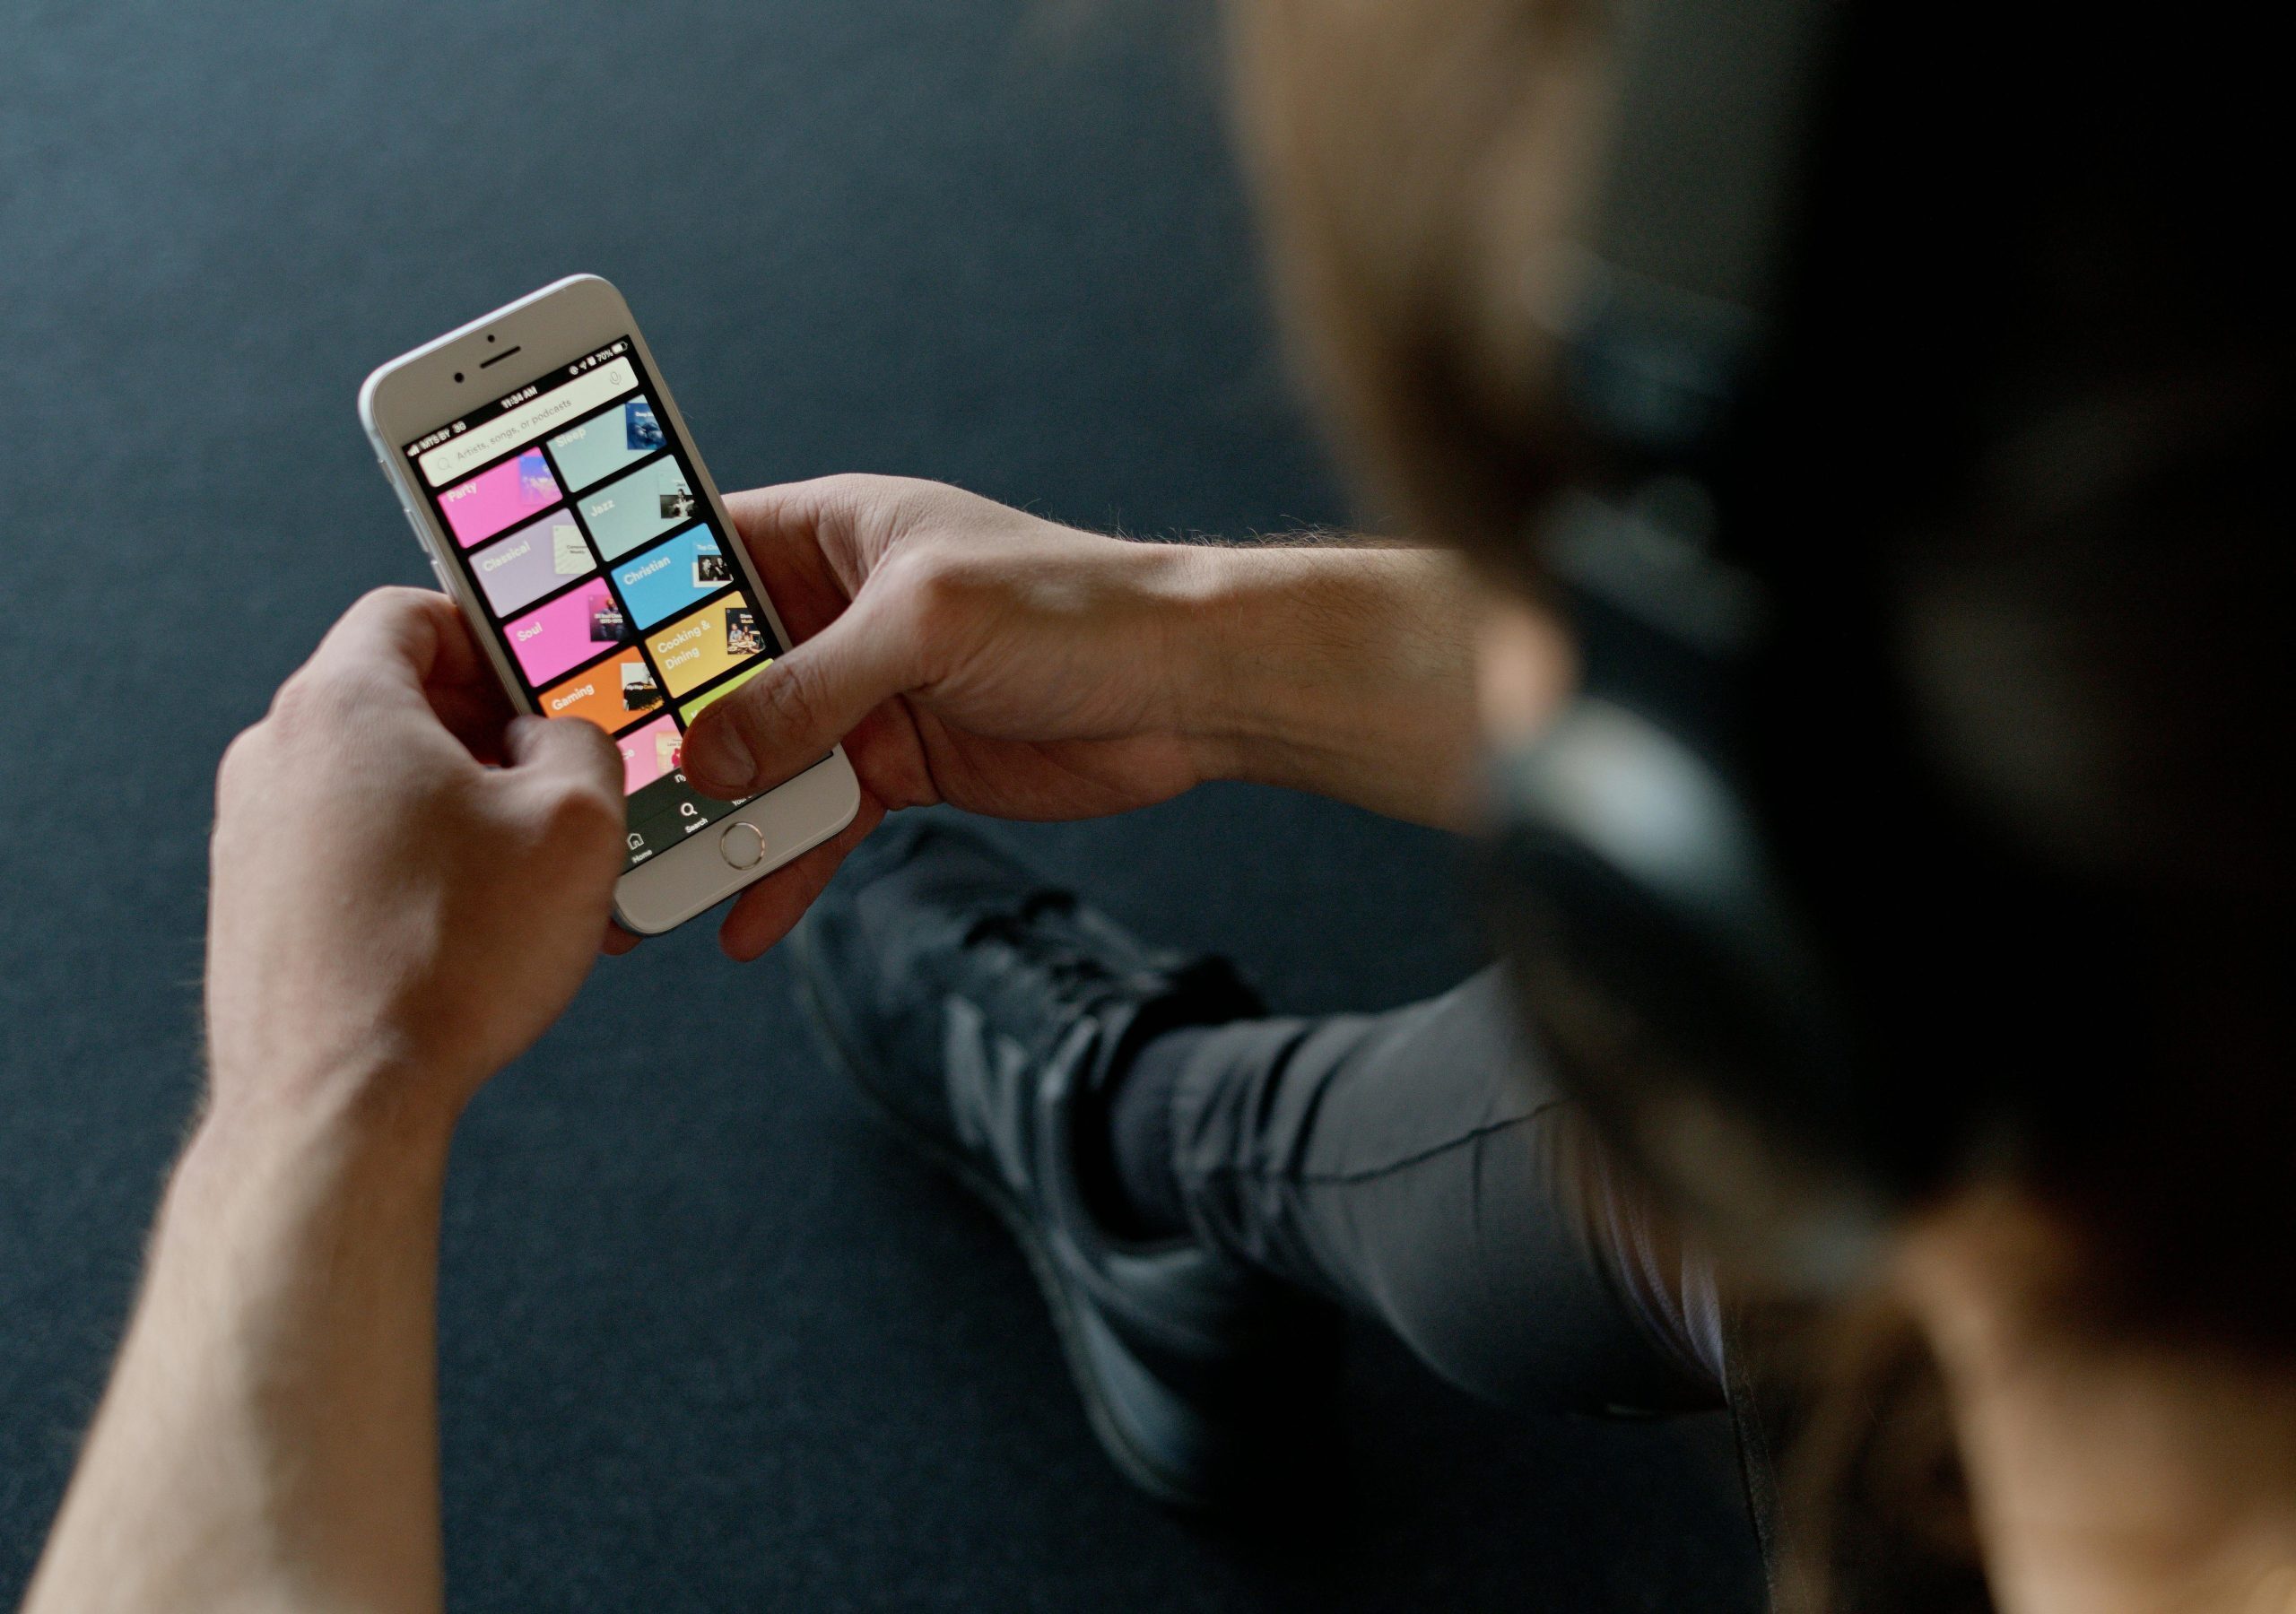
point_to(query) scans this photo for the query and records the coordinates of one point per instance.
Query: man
(2065, 625)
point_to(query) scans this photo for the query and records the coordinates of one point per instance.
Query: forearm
(269, 1438)
(1343, 670)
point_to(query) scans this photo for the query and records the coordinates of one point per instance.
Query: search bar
(529, 420)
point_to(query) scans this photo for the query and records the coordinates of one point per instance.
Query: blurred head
(2010, 507)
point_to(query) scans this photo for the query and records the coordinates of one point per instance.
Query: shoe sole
(1134, 1464)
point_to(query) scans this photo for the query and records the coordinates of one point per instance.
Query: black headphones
(1795, 977)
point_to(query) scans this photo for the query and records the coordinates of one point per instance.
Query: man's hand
(964, 653)
(390, 917)
(390, 921)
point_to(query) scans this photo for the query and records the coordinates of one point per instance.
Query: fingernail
(716, 760)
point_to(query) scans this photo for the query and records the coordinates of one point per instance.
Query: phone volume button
(423, 543)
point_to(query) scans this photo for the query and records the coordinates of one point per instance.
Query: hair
(2037, 301)
(1411, 159)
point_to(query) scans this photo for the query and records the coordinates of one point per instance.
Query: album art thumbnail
(641, 431)
(679, 504)
(569, 557)
(665, 751)
(712, 569)
(606, 624)
(742, 635)
(638, 690)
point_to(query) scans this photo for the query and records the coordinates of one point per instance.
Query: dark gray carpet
(708, 1342)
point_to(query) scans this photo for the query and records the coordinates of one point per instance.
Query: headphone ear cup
(1655, 963)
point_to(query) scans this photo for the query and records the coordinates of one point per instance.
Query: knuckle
(396, 599)
(242, 758)
(850, 488)
(926, 574)
(388, 596)
(877, 515)
(787, 697)
(944, 594)
(857, 493)
(581, 814)
(297, 704)
(318, 697)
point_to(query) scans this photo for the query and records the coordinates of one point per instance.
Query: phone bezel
(412, 393)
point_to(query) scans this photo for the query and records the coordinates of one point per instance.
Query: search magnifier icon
(687, 810)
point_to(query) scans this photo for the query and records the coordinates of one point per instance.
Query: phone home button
(742, 845)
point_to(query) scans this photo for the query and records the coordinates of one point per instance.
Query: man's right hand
(964, 652)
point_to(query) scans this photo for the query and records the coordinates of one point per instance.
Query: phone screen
(572, 508)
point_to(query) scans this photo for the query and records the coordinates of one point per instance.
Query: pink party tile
(493, 499)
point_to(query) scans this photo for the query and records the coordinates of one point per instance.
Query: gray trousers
(1420, 1167)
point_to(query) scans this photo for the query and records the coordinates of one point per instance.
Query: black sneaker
(984, 1013)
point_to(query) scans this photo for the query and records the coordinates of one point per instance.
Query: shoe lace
(1048, 949)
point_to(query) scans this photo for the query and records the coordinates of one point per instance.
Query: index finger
(414, 642)
(395, 635)
(798, 538)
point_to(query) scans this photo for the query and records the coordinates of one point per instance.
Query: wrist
(1345, 670)
(1208, 602)
(1186, 590)
(381, 1115)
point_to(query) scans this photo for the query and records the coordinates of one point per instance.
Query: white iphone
(553, 484)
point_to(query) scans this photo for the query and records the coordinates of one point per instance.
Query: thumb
(786, 717)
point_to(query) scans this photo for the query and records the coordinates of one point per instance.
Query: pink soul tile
(549, 641)
(493, 499)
